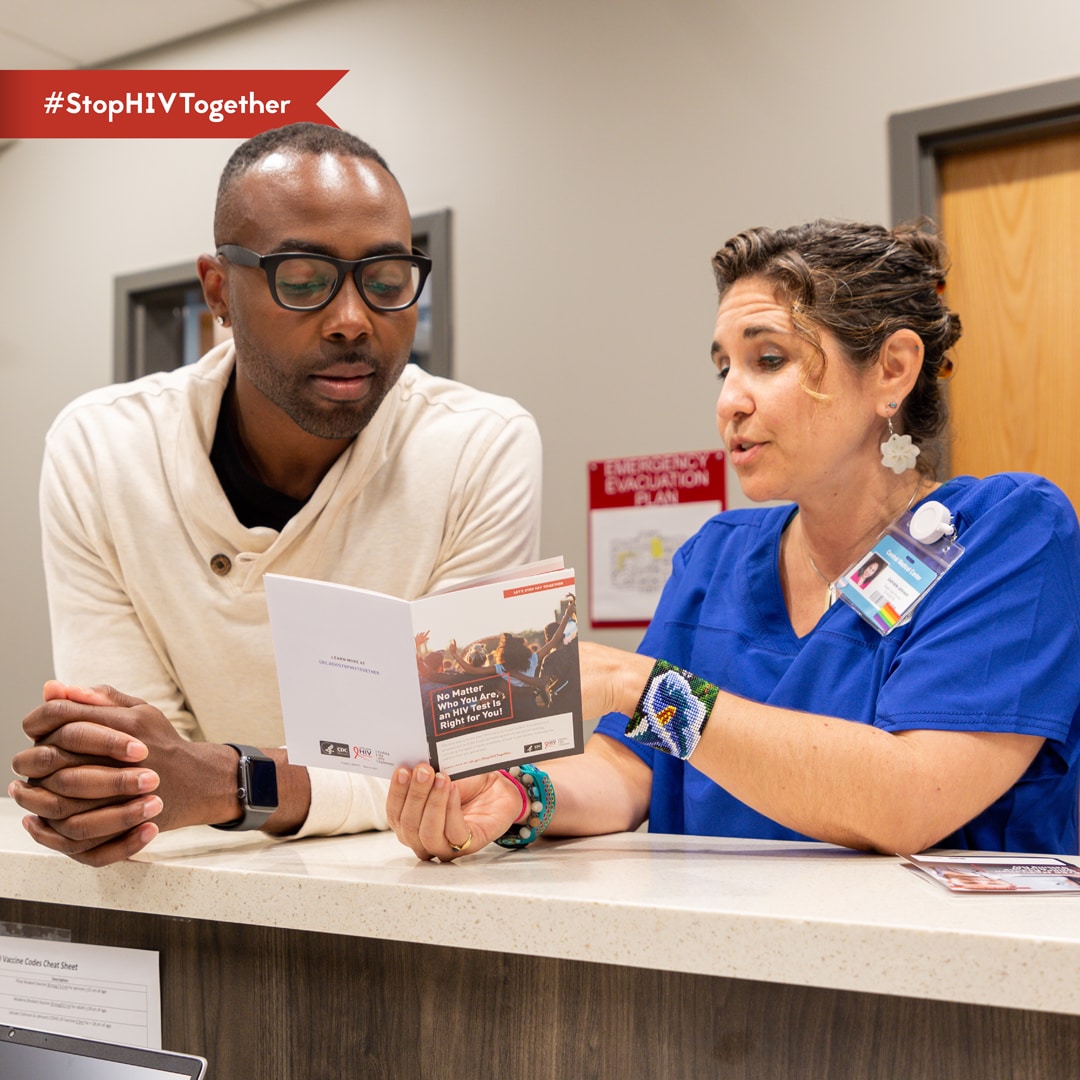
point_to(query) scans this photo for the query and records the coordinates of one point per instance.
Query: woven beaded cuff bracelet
(540, 793)
(672, 711)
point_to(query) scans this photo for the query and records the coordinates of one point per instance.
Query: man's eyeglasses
(303, 282)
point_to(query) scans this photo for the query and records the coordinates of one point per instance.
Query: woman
(867, 572)
(791, 717)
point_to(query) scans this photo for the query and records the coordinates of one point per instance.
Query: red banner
(158, 104)
(657, 479)
(525, 590)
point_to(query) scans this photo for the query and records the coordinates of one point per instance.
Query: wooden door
(1011, 218)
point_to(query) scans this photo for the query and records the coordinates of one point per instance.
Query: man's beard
(320, 417)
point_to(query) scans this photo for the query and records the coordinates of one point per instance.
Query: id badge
(887, 583)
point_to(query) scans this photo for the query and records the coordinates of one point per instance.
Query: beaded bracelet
(521, 791)
(673, 710)
(540, 793)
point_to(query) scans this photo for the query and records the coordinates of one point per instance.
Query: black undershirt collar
(252, 501)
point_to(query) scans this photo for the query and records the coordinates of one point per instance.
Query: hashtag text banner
(158, 104)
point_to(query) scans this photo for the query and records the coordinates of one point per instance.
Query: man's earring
(221, 320)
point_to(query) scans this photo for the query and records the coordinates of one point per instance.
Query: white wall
(594, 152)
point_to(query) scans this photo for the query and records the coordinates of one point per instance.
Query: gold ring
(457, 849)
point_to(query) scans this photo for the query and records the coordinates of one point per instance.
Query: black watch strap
(253, 817)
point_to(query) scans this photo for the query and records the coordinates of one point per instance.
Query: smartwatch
(256, 788)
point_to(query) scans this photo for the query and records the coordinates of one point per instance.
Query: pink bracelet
(521, 790)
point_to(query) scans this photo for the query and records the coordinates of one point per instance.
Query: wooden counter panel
(263, 1003)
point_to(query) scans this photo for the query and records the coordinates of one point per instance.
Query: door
(1011, 217)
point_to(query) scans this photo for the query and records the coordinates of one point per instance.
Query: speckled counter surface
(801, 914)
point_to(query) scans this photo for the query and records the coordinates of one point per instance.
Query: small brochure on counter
(473, 679)
(998, 873)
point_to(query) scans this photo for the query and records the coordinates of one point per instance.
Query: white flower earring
(897, 451)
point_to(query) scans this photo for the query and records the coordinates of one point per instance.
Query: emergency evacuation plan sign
(641, 509)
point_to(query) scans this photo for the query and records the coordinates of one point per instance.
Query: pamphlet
(473, 679)
(999, 873)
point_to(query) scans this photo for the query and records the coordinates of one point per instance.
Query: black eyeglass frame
(243, 256)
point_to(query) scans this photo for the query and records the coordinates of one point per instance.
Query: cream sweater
(443, 485)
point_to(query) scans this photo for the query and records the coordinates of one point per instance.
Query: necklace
(830, 586)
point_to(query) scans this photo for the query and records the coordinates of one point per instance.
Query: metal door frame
(919, 137)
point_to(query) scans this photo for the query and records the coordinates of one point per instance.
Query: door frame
(918, 138)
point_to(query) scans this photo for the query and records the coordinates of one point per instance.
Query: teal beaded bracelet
(540, 793)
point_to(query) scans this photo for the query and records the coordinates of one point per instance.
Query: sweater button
(220, 564)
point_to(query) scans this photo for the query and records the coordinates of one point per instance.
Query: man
(305, 446)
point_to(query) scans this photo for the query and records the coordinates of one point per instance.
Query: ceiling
(53, 34)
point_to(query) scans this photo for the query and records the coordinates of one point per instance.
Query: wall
(594, 153)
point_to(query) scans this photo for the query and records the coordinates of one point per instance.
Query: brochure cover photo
(474, 679)
(999, 873)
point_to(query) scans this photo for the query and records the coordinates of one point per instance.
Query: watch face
(260, 781)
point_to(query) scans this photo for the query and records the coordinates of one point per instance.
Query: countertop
(804, 914)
